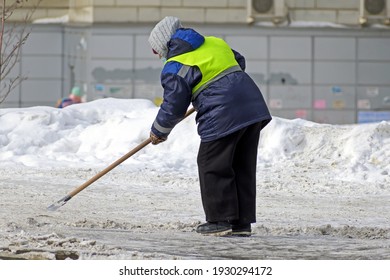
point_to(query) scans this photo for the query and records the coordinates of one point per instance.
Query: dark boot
(215, 228)
(243, 230)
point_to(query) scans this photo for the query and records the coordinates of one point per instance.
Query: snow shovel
(71, 194)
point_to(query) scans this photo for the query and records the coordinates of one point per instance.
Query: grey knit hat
(162, 33)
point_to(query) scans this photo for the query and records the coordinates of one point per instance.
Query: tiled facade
(329, 74)
(200, 11)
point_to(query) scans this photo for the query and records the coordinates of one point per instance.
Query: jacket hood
(184, 40)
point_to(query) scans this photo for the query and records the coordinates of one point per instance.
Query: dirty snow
(323, 190)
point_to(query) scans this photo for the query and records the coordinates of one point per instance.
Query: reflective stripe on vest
(214, 59)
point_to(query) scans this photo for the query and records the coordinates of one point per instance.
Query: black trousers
(227, 175)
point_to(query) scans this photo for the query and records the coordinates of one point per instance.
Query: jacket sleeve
(176, 99)
(240, 59)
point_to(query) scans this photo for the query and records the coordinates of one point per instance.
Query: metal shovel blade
(59, 203)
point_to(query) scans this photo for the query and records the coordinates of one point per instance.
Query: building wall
(326, 75)
(201, 11)
(315, 71)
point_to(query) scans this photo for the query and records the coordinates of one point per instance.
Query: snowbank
(99, 132)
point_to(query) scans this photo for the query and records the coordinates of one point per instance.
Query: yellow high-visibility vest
(214, 58)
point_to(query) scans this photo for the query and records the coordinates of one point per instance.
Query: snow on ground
(323, 190)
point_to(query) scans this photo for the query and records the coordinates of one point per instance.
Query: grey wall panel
(43, 43)
(373, 98)
(334, 117)
(108, 89)
(292, 114)
(9, 104)
(250, 47)
(111, 70)
(290, 72)
(153, 63)
(149, 91)
(14, 71)
(111, 79)
(42, 67)
(27, 104)
(290, 47)
(143, 49)
(290, 97)
(76, 54)
(147, 82)
(148, 71)
(334, 48)
(111, 46)
(41, 92)
(13, 96)
(336, 97)
(374, 49)
(374, 73)
(257, 70)
(335, 73)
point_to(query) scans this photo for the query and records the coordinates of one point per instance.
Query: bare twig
(12, 39)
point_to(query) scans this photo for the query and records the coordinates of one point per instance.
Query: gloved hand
(156, 140)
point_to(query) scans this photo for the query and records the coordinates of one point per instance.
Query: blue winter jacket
(223, 107)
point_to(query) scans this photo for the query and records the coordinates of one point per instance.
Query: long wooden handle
(119, 161)
(71, 194)
(110, 167)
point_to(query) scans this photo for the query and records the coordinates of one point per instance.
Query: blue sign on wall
(373, 116)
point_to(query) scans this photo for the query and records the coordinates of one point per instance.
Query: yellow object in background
(158, 101)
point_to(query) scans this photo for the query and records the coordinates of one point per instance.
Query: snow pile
(99, 132)
(355, 152)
